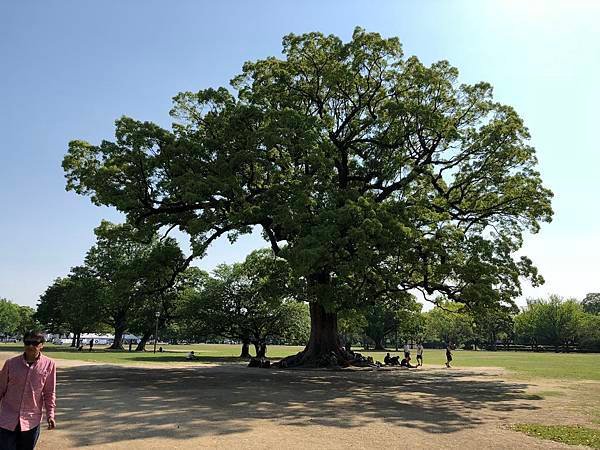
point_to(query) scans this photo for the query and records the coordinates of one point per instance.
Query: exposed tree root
(333, 359)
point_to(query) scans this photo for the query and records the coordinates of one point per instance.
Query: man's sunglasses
(28, 342)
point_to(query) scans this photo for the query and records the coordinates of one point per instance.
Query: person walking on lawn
(420, 354)
(27, 382)
(448, 354)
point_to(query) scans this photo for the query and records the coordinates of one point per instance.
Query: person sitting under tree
(406, 363)
(391, 360)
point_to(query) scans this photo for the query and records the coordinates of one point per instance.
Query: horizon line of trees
(256, 302)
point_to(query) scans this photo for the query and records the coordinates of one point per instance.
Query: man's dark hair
(34, 334)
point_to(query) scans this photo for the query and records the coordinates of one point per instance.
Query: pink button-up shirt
(23, 391)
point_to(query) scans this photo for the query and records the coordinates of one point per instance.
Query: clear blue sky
(68, 69)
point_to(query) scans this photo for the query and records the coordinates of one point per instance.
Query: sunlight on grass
(524, 365)
(205, 353)
(572, 435)
(527, 365)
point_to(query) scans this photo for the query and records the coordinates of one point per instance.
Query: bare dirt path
(117, 407)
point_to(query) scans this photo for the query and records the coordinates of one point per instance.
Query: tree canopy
(252, 302)
(15, 319)
(591, 303)
(369, 172)
(73, 303)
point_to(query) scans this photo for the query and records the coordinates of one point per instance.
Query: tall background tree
(399, 317)
(370, 173)
(449, 322)
(137, 274)
(553, 321)
(73, 304)
(160, 311)
(15, 319)
(252, 302)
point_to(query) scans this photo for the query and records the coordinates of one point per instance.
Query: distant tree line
(543, 324)
(130, 282)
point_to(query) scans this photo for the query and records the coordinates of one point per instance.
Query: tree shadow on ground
(181, 357)
(108, 404)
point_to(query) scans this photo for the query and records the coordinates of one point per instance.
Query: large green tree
(369, 172)
(397, 315)
(492, 325)
(137, 272)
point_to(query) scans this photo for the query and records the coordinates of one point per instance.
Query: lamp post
(157, 314)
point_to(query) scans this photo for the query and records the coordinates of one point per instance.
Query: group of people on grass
(405, 362)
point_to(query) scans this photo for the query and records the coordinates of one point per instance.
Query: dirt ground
(231, 406)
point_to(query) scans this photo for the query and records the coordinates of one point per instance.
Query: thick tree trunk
(141, 347)
(120, 328)
(324, 348)
(245, 349)
(379, 343)
(74, 340)
(261, 349)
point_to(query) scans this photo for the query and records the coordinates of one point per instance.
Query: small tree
(588, 335)
(491, 325)
(398, 315)
(351, 325)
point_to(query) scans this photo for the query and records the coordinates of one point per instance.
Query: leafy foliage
(250, 301)
(137, 273)
(73, 304)
(15, 319)
(591, 303)
(367, 172)
(449, 323)
(552, 322)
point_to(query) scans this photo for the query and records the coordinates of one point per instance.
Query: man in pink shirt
(27, 382)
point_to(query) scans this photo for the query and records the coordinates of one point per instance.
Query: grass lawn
(576, 366)
(206, 353)
(524, 364)
(572, 435)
